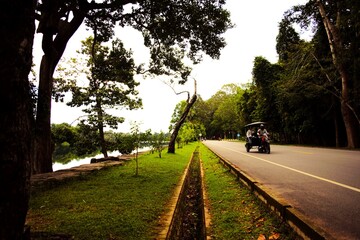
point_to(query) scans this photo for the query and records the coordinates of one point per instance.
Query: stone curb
(167, 217)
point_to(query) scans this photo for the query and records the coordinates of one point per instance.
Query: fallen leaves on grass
(261, 237)
(274, 236)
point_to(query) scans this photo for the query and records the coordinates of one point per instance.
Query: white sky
(254, 35)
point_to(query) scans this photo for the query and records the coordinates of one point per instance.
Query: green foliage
(72, 142)
(86, 139)
(286, 40)
(125, 143)
(218, 115)
(157, 142)
(63, 153)
(247, 104)
(111, 85)
(226, 116)
(336, 27)
(136, 134)
(189, 132)
(63, 132)
(298, 96)
(193, 125)
(265, 75)
(173, 29)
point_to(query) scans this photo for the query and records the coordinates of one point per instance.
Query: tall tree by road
(171, 30)
(338, 51)
(16, 116)
(111, 85)
(341, 22)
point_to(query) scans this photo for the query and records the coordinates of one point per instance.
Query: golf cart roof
(255, 124)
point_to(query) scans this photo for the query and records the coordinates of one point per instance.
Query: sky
(256, 27)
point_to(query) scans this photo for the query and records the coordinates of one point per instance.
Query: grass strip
(111, 203)
(235, 212)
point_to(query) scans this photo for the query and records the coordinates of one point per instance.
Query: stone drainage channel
(188, 217)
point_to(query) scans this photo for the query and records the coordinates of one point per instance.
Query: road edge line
(302, 227)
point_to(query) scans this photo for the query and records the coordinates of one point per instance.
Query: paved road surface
(322, 184)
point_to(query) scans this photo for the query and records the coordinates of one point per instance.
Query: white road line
(298, 171)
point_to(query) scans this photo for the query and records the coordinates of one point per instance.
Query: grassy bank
(112, 203)
(236, 213)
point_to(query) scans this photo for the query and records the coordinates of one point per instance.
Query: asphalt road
(321, 184)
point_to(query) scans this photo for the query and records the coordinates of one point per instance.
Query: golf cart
(262, 143)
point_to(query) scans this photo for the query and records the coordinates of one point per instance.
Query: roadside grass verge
(111, 203)
(235, 212)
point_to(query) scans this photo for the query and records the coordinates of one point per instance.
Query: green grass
(236, 213)
(112, 203)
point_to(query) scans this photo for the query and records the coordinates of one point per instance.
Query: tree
(226, 117)
(111, 85)
(63, 132)
(338, 51)
(181, 119)
(265, 75)
(86, 139)
(158, 141)
(125, 143)
(296, 92)
(213, 128)
(247, 104)
(63, 136)
(135, 132)
(286, 40)
(171, 30)
(341, 22)
(16, 115)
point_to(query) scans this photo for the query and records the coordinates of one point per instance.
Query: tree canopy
(110, 84)
(310, 95)
(171, 30)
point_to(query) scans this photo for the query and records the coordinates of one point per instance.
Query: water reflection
(77, 162)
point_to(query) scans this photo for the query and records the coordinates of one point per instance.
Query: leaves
(261, 237)
(274, 236)
(110, 84)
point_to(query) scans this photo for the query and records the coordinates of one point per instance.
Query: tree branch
(119, 3)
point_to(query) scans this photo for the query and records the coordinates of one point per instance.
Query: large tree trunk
(190, 103)
(17, 33)
(101, 129)
(337, 51)
(53, 50)
(336, 126)
(42, 143)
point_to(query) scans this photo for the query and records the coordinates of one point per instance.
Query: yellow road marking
(301, 172)
(303, 152)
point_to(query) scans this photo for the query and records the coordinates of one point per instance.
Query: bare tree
(175, 131)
